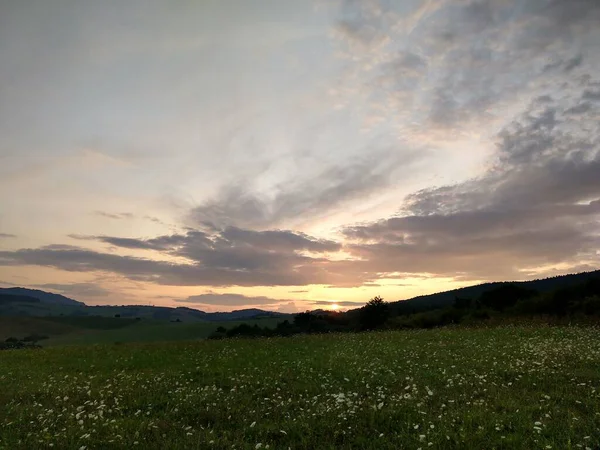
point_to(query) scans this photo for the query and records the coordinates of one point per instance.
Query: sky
(292, 154)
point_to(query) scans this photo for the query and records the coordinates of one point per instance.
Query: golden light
(334, 306)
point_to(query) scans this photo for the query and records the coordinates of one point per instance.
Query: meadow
(512, 387)
(108, 330)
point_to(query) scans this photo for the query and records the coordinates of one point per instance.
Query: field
(503, 388)
(109, 330)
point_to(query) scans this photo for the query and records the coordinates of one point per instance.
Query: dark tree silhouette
(505, 296)
(374, 313)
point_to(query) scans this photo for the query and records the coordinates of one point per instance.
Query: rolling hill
(44, 297)
(23, 302)
(446, 298)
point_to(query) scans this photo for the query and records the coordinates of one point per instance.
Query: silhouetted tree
(374, 313)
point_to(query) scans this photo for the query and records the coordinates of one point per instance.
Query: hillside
(23, 302)
(446, 298)
(43, 296)
(5, 299)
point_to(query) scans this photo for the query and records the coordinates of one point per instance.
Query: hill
(446, 298)
(43, 296)
(23, 302)
(8, 298)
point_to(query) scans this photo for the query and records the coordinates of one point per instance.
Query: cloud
(320, 191)
(451, 66)
(117, 216)
(228, 257)
(7, 236)
(198, 244)
(159, 243)
(230, 300)
(429, 73)
(537, 205)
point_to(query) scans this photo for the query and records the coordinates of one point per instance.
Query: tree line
(504, 302)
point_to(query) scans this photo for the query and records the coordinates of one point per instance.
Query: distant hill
(241, 314)
(25, 302)
(8, 298)
(443, 299)
(44, 297)
(35, 303)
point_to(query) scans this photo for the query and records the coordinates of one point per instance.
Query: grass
(109, 330)
(93, 322)
(149, 331)
(20, 327)
(503, 388)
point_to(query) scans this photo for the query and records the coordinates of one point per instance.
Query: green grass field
(109, 330)
(149, 331)
(503, 388)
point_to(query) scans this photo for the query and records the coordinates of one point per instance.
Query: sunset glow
(269, 154)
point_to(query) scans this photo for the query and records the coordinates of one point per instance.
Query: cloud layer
(374, 141)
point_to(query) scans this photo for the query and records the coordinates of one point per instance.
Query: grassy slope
(20, 327)
(149, 331)
(505, 388)
(56, 327)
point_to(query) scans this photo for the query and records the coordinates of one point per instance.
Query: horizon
(293, 155)
(330, 306)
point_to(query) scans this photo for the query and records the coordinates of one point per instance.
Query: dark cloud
(538, 205)
(230, 300)
(232, 256)
(324, 190)
(159, 243)
(278, 240)
(7, 236)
